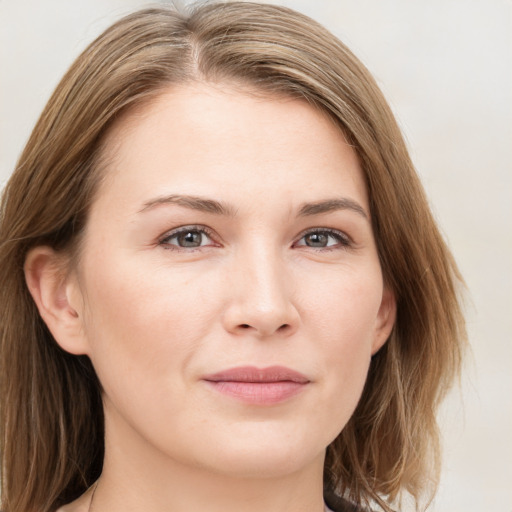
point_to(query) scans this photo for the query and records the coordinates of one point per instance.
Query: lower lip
(261, 393)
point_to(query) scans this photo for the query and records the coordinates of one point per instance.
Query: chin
(262, 465)
(263, 454)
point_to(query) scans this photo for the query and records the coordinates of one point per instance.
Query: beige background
(445, 66)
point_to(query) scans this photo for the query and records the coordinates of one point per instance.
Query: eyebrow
(331, 205)
(218, 208)
(193, 202)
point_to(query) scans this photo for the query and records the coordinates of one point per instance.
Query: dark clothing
(337, 504)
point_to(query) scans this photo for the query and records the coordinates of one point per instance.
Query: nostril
(281, 328)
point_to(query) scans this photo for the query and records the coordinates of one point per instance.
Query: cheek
(344, 304)
(342, 319)
(141, 323)
(144, 331)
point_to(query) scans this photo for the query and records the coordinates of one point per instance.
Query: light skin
(233, 229)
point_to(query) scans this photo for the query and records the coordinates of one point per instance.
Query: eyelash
(164, 241)
(344, 241)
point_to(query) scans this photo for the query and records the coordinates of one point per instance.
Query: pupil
(316, 240)
(190, 239)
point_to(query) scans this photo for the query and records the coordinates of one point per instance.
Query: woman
(222, 287)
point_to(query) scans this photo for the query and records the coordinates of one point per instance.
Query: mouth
(260, 386)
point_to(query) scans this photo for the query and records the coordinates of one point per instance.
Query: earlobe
(385, 320)
(53, 290)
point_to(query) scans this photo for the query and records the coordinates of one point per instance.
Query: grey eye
(317, 239)
(189, 239)
(324, 239)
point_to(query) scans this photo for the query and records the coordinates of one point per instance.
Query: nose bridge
(261, 293)
(265, 271)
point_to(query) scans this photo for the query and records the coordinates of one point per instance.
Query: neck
(137, 476)
(207, 494)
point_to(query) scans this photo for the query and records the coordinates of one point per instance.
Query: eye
(187, 237)
(323, 239)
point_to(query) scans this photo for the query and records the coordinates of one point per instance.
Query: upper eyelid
(187, 227)
(202, 227)
(338, 232)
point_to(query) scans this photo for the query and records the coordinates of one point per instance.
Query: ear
(57, 296)
(385, 320)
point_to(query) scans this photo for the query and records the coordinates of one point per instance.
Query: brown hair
(51, 412)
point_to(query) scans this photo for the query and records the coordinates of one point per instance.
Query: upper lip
(258, 375)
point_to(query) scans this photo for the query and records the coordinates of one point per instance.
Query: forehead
(200, 138)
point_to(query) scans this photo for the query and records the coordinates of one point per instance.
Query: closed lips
(258, 375)
(267, 386)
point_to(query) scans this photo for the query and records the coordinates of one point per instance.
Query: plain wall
(445, 67)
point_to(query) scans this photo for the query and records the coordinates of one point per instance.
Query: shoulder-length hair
(51, 409)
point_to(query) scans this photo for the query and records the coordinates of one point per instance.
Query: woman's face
(229, 291)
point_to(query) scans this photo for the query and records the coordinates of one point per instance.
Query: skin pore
(232, 231)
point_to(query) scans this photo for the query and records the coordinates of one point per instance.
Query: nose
(260, 297)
